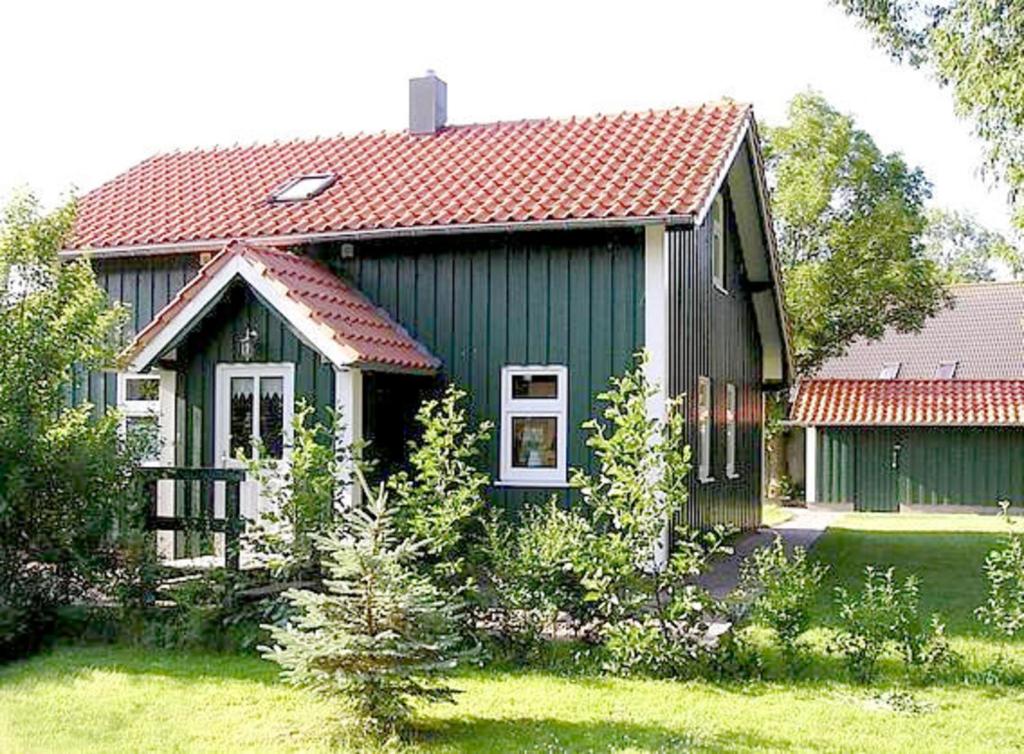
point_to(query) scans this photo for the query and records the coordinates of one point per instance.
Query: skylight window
(302, 188)
(946, 370)
(890, 371)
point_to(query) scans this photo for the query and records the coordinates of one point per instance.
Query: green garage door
(877, 469)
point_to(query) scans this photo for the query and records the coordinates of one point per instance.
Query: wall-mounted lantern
(247, 344)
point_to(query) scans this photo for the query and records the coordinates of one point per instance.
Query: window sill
(549, 484)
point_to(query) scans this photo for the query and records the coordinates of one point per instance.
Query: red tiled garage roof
(909, 403)
(640, 165)
(370, 336)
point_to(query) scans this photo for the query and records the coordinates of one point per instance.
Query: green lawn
(114, 699)
(773, 514)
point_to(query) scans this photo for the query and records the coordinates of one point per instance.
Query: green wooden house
(927, 419)
(527, 261)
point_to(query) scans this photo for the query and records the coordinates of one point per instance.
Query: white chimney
(428, 104)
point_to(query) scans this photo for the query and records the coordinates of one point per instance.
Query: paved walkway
(802, 530)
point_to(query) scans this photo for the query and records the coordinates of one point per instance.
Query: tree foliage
(381, 633)
(849, 220)
(65, 474)
(966, 251)
(974, 47)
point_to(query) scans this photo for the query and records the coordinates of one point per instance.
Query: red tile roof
(348, 316)
(909, 403)
(639, 165)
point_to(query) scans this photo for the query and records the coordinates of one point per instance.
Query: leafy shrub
(439, 499)
(883, 616)
(537, 569)
(1004, 572)
(783, 590)
(381, 634)
(304, 495)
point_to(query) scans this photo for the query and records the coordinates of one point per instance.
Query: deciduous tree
(974, 47)
(849, 220)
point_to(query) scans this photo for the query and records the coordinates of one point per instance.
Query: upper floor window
(534, 415)
(946, 370)
(303, 187)
(718, 242)
(890, 371)
(704, 419)
(730, 431)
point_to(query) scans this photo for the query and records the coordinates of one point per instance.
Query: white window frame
(730, 430)
(320, 183)
(517, 407)
(162, 408)
(705, 432)
(225, 372)
(718, 244)
(890, 370)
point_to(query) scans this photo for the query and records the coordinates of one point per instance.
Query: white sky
(89, 88)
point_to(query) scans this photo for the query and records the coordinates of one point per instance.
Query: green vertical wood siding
(144, 284)
(936, 466)
(714, 334)
(482, 302)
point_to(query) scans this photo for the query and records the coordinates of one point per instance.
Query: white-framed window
(303, 187)
(730, 431)
(890, 371)
(704, 420)
(718, 243)
(146, 402)
(946, 370)
(255, 407)
(534, 423)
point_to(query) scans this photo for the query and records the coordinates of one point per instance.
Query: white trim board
(272, 293)
(656, 299)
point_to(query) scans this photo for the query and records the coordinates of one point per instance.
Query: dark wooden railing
(202, 520)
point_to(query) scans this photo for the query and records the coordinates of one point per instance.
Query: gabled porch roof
(334, 318)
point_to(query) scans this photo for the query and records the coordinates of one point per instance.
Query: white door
(255, 402)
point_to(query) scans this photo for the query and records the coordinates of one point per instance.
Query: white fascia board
(319, 337)
(720, 179)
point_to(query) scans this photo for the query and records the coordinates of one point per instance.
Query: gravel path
(802, 530)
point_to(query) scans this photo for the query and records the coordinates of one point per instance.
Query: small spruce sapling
(381, 634)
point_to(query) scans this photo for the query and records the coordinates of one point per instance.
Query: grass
(117, 699)
(773, 514)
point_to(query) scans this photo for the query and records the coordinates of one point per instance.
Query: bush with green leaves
(66, 486)
(537, 566)
(304, 495)
(440, 497)
(782, 589)
(381, 634)
(884, 616)
(1004, 574)
(650, 613)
